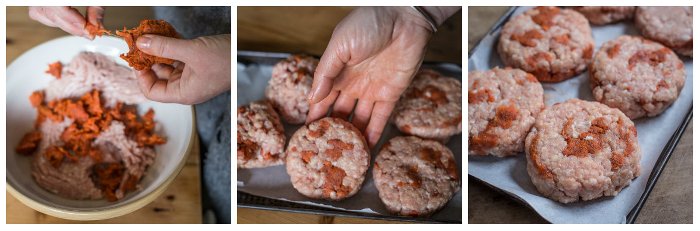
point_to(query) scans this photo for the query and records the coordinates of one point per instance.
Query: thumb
(329, 67)
(173, 48)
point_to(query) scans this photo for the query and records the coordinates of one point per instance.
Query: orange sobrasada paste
(95, 30)
(55, 69)
(90, 118)
(135, 57)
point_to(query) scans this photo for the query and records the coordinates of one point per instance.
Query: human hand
(68, 18)
(370, 60)
(203, 69)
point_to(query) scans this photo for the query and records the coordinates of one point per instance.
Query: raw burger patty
(327, 159)
(582, 150)
(551, 43)
(260, 136)
(638, 76)
(601, 15)
(431, 107)
(670, 25)
(290, 85)
(415, 176)
(503, 105)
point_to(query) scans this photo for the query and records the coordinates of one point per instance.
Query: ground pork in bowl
(68, 191)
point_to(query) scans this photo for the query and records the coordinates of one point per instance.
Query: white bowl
(26, 74)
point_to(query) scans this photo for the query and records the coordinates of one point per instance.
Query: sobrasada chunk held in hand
(135, 57)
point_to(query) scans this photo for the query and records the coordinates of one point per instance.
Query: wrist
(440, 13)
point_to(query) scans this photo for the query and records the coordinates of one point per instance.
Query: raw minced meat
(582, 150)
(503, 105)
(601, 15)
(327, 159)
(638, 76)
(551, 43)
(260, 136)
(431, 107)
(289, 87)
(670, 25)
(88, 144)
(414, 176)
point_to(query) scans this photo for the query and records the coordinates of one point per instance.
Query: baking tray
(656, 171)
(247, 200)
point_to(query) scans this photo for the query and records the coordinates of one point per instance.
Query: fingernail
(143, 42)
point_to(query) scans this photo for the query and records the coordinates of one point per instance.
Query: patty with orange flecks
(414, 176)
(290, 85)
(669, 25)
(551, 43)
(327, 159)
(582, 150)
(260, 136)
(601, 15)
(431, 107)
(503, 105)
(638, 76)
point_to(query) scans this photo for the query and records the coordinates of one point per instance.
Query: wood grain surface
(307, 30)
(180, 203)
(669, 202)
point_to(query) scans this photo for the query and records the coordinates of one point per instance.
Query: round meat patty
(503, 105)
(431, 107)
(638, 76)
(582, 150)
(551, 43)
(415, 176)
(260, 136)
(289, 87)
(327, 159)
(670, 25)
(601, 15)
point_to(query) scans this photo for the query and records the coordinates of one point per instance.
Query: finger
(163, 71)
(178, 65)
(363, 111)
(38, 13)
(68, 19)
(380, 115)
(320, 109)
(329, 67)
(95, 14)
(160, 90)
(343, 106)
(164, 46)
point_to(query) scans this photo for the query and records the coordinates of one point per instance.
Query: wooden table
(308, 30)
(669, 202)
(180, 203)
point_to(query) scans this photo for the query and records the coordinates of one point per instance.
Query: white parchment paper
(273, 182)
(510, 175)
